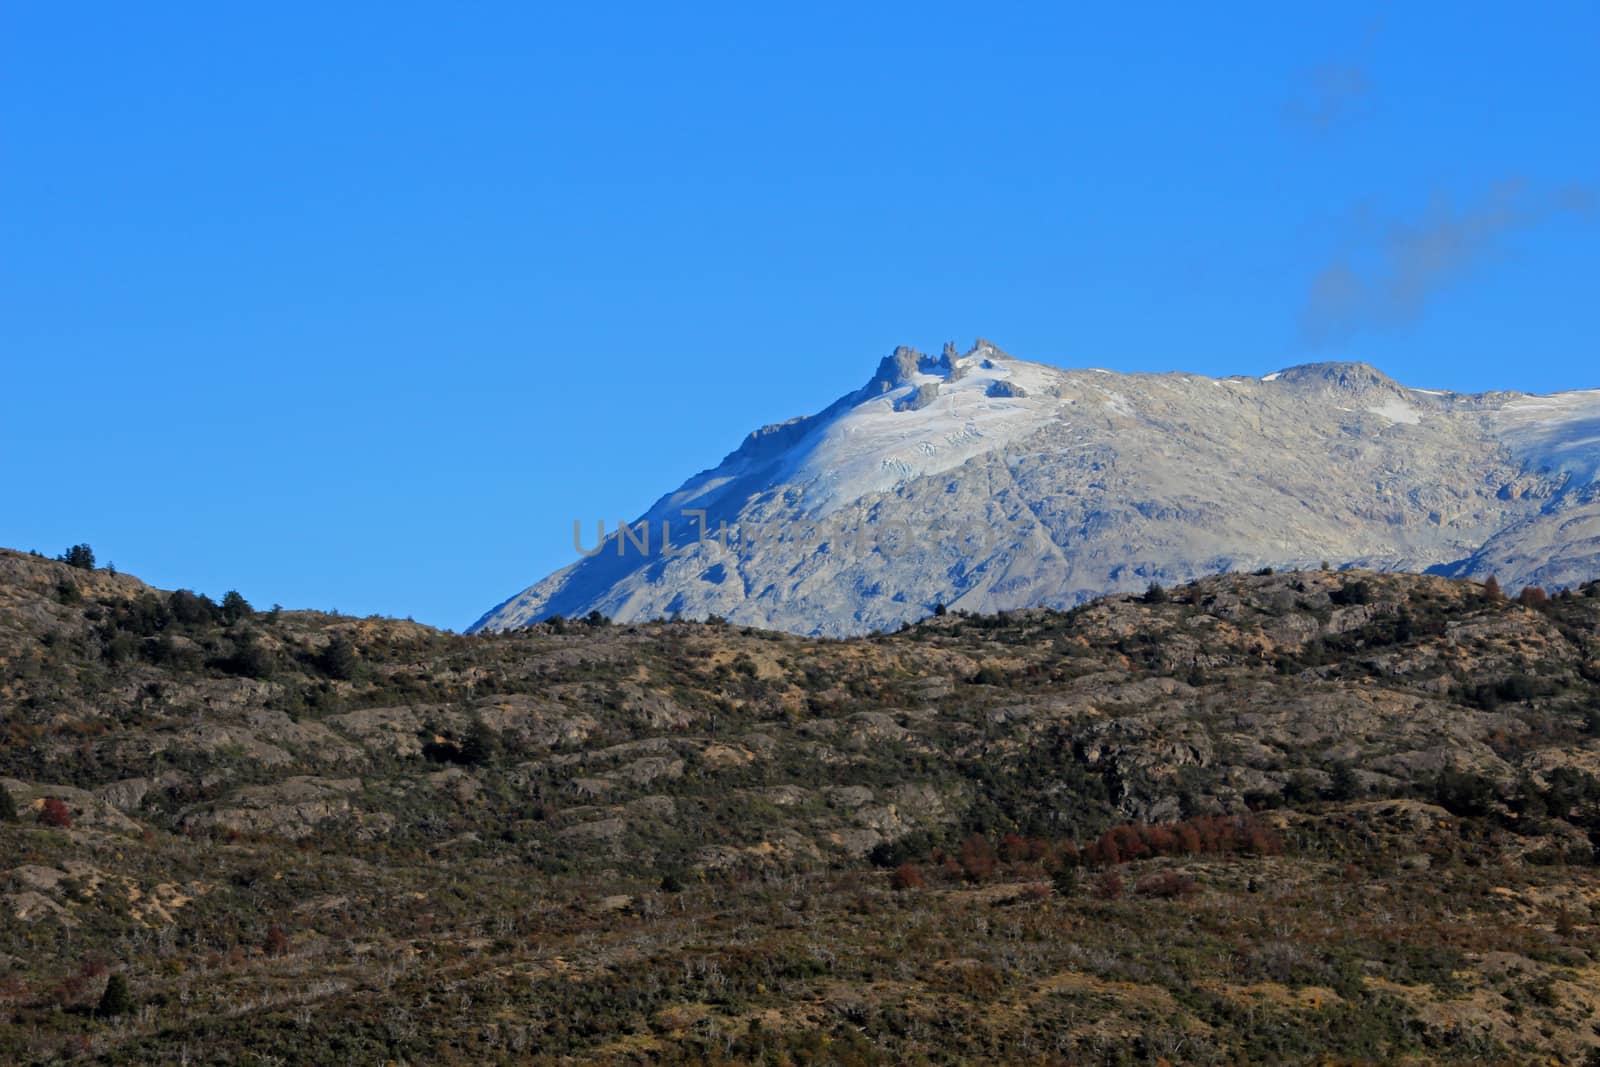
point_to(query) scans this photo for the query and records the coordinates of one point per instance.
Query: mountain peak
(897, 368)
(988, 349)
(988, 482)
(1353, 377)
(905, 365)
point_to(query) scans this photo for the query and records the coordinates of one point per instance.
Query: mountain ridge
(990, 482)
(1325, 804)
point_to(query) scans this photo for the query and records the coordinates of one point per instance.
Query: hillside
(1303, 816)
(989, 483)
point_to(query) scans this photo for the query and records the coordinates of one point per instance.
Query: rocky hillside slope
(1185, 824)
(989, 483)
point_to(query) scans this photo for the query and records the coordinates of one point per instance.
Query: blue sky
(359, 306)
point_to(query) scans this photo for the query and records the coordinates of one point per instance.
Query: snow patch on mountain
(986, 400)
(1395, 409)
(1559, 432)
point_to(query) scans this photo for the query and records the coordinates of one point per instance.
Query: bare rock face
(983, 482)
(291, 808)
(924, 395)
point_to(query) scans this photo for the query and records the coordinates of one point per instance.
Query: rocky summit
(989, 483)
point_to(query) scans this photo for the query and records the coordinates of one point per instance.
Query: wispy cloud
(1329, 95)
(1390, 277)
(1338, 92)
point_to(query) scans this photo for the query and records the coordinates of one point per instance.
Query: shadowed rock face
(986, 482)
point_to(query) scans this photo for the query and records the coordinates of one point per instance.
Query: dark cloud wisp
(1395, 276)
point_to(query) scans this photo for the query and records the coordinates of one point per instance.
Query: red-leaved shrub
(1108, 886)
(906, 876)
(977, 858)
(1168, 885)
(56, 813)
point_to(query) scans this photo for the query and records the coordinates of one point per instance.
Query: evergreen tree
(1346, 784)
(235, 607)
(1491, 588)
(79, 556)
(8, 806)
(193, 609)
(116, 1000)
(481, 746)
(338, 660)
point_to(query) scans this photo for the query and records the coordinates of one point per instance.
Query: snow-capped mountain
(982, 481)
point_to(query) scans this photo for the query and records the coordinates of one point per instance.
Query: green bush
(247, 660)
(1352, 593)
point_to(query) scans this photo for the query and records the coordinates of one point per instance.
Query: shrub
(480, 746)
(248, 659)
(8, 806)
(907, 849)
(977, 858)
(116, 1000)
(1352, 593)
(989, 674)
(1299, 789)
(1108, 886)
(1013, 848)
(277, 942)
(1518, 687)
(56, 813)
(1155, 594)
(1463, 792)
(121, 647)
(906, 876)
(1203, 834)
(1167, 885)
(1065, 881)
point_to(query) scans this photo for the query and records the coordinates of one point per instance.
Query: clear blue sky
(359, 305)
